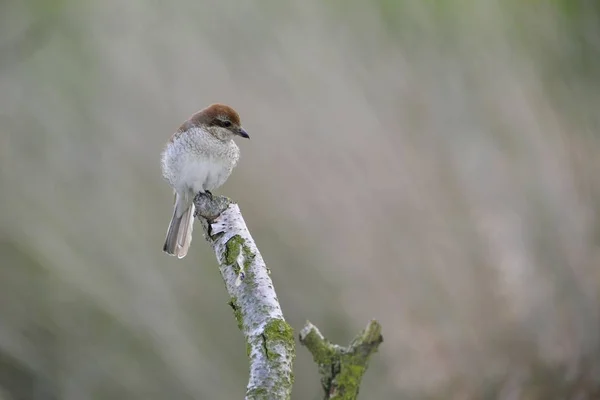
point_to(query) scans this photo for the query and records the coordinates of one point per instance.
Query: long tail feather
(179, 234)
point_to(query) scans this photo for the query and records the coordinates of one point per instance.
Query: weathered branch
(269, 338)
(342, 368)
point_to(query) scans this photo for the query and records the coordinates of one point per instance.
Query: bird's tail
(179, 235)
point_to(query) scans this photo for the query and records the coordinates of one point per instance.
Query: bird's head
(220, 120)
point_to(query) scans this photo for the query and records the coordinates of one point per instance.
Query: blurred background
(430, 164)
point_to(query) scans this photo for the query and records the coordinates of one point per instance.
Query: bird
(198, 158)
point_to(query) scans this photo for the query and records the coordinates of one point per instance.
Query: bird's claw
(209, 194)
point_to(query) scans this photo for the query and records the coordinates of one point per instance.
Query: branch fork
(269, 338)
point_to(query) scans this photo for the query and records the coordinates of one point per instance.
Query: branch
(269, 338)
(342, 368)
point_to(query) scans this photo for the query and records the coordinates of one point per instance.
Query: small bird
(198, 158)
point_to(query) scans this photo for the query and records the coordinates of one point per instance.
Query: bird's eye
(225, 124)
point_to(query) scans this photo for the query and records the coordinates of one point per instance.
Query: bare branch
(269, 338)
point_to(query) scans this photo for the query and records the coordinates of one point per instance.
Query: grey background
(433, 165)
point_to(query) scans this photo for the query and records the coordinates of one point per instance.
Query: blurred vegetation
(431, 164)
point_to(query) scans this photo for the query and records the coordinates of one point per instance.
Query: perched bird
(198, 158)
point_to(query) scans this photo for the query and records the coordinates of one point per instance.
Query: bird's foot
(209, 194)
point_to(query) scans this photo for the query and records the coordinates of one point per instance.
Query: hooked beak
(243, 133)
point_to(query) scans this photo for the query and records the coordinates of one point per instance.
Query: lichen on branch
(342, 368)
(269, 338)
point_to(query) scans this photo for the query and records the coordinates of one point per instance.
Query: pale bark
(269, 338)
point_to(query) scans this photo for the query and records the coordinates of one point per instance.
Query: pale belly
(202, 175)
(188, 168)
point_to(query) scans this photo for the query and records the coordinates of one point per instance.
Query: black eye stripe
(222, 123)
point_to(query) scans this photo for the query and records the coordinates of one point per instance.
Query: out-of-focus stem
(342, 368)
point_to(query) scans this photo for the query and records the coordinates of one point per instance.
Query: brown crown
(208, 117)
(213, 112)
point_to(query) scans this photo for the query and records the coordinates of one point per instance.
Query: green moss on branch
(342, 368)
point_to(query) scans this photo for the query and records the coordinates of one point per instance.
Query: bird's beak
(243, 133)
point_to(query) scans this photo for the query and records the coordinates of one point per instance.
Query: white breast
(198, 162)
